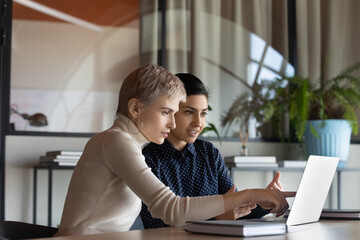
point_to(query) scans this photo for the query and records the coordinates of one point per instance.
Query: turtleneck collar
(128, 126)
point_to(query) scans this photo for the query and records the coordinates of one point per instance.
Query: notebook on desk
(308, 203)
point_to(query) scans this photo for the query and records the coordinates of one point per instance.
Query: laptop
(312, 191)
(306, 208)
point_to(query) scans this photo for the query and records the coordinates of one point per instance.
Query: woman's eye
(204, 114)
(165, 112)
(188, 112)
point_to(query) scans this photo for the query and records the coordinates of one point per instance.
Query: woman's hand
(270, 198)
(237, 212)
(275, 183)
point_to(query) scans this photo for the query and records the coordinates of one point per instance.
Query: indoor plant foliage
(296, 100)
(247, 106)
(334, 98)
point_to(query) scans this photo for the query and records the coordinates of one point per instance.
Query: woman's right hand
(270, 199)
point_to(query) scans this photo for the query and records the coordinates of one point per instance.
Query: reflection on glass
(229, 50)
(69, 59)
(266, 73)
(273, 59)
(256, 47)
(252, 70)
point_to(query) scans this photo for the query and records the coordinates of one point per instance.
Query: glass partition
(231, 47)
(68, 61)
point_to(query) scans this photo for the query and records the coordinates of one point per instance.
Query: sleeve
(225, 181)
(123, 156)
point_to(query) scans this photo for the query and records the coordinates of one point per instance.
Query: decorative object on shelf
(35, 120)
(244, 137)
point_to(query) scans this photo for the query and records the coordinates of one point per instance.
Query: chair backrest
(20, 230)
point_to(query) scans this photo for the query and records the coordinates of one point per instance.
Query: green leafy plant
(245, 107)
(211, 128)
(301, 100)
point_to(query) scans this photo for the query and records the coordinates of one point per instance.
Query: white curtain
(328, 36)
(211, 39)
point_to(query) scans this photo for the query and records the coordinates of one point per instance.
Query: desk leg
(35, 196)
(339, 190)
(231, 173)
(50, 196)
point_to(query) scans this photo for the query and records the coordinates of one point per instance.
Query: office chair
(10, 230)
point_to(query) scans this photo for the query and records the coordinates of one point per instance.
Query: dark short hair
(193, 85)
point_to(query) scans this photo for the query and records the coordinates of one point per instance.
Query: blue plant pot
(333, 139)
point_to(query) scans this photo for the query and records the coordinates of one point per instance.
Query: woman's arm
(124, 158)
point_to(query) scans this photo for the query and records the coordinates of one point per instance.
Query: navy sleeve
(224, 180)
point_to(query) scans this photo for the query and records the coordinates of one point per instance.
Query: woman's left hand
(275, 183)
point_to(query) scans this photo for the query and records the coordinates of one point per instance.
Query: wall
(22, 152)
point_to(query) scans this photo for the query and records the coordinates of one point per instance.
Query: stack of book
(251, 161)
(60, 158)
(292, 163)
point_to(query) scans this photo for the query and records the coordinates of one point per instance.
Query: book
(274, 165)
(292, 163)
(58, 158)
(250, 159)
(64, 152)
(57, 164)
(343, 214)
(242, 228)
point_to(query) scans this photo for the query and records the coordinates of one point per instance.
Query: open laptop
(307, 206)
(312, 191)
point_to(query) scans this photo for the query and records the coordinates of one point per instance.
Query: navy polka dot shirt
(197, 171)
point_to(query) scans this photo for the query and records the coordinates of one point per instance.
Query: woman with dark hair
(190, 166)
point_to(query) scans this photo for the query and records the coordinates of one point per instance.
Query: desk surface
(323, 230)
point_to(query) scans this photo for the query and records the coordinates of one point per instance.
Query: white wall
(22, 152)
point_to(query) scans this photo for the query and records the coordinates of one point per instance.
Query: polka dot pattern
(197, 171)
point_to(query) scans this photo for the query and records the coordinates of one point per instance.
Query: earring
(129, 128)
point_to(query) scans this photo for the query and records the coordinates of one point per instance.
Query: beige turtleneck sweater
(112, 178)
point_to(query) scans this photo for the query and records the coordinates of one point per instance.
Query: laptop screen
(313, 189)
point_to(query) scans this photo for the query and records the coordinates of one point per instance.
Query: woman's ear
(134, 107)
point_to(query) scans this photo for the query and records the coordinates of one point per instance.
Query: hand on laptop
(237, 212)
(273, 199)
(275, 183)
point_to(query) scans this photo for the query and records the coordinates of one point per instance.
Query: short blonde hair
(148, 82)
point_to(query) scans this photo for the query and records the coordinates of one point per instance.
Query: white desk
(323, 230)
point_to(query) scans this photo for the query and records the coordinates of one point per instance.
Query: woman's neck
(177, 143)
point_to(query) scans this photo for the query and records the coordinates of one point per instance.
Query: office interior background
(67, 59)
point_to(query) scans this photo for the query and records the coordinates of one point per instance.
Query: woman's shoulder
(116, 137)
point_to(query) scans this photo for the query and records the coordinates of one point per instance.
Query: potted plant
(312, 109)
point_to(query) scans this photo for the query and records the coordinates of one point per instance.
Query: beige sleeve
(124, 157)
